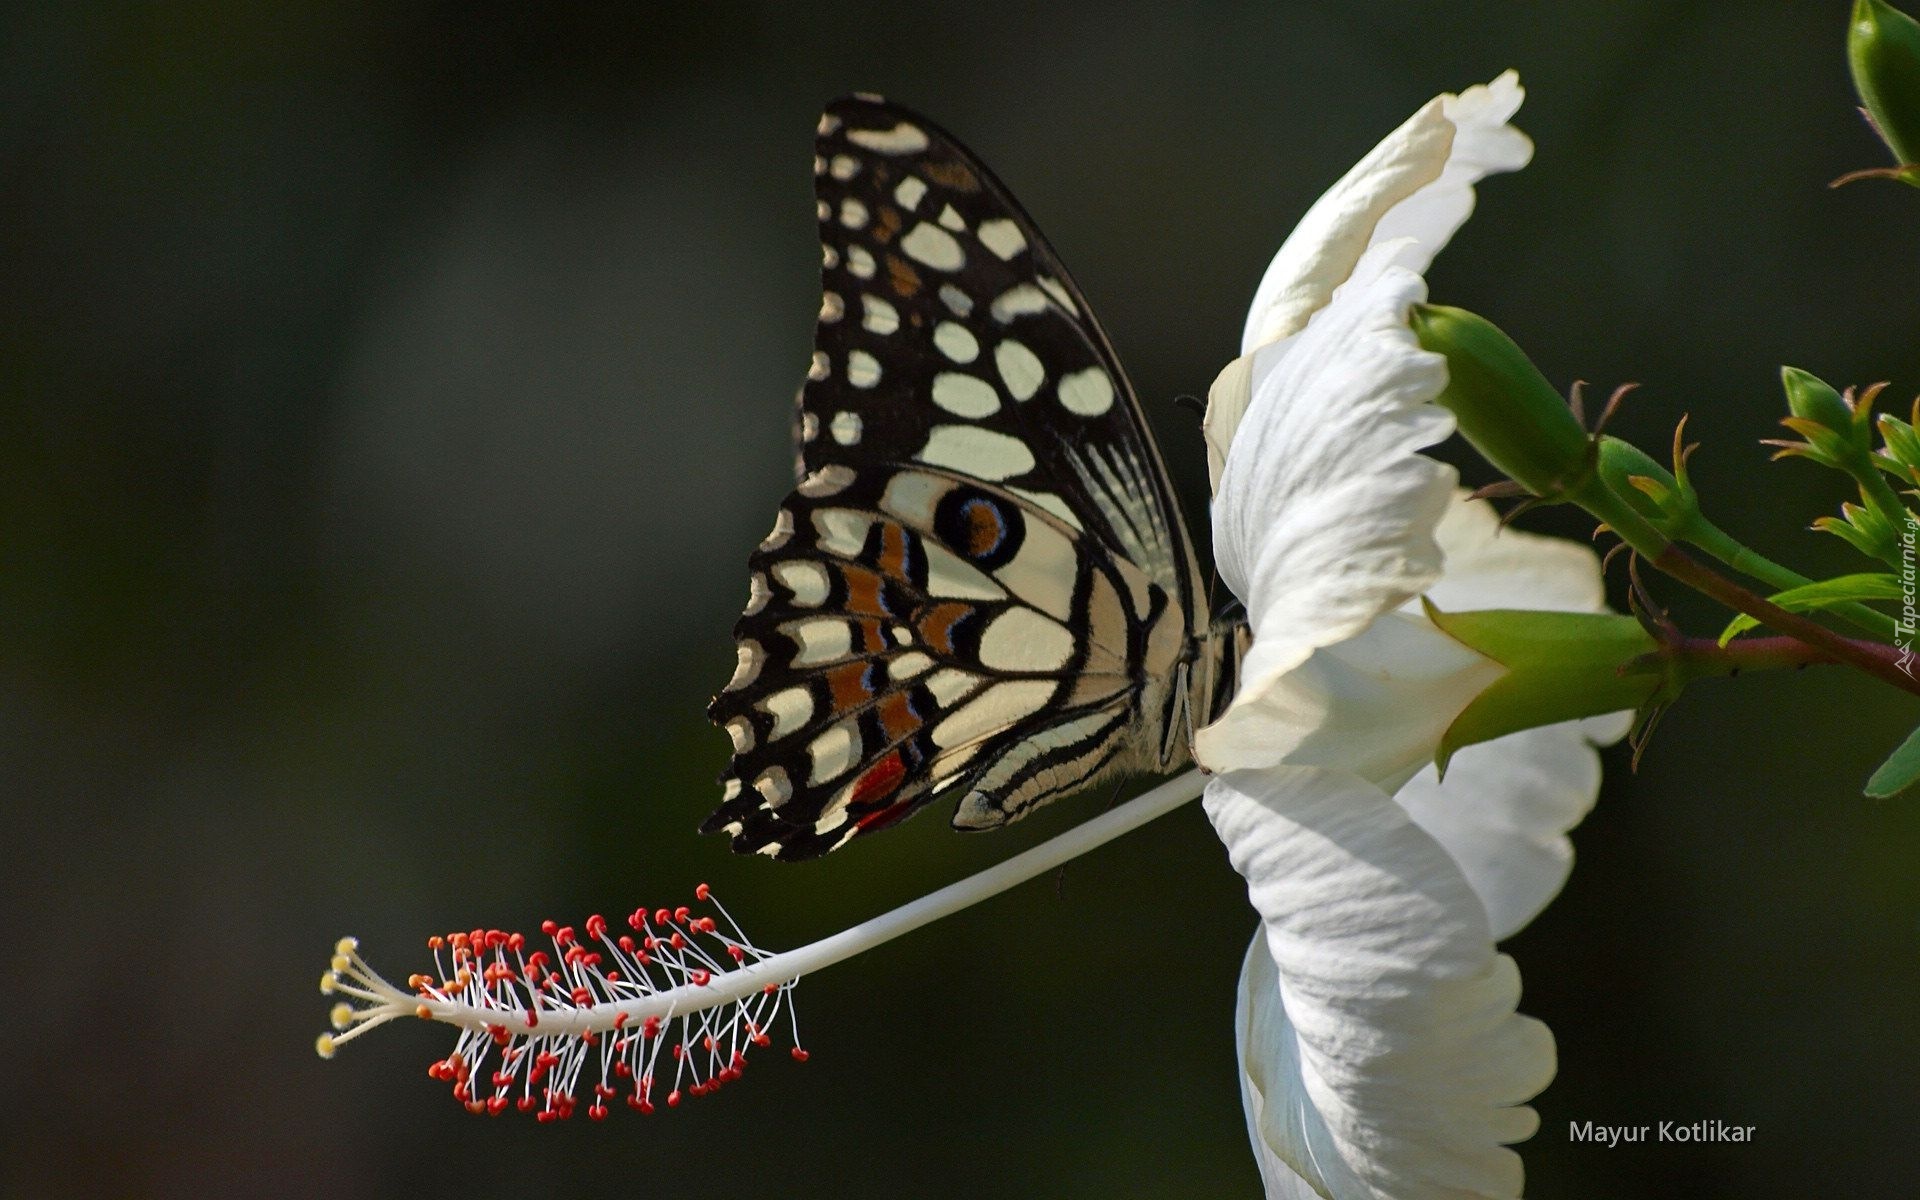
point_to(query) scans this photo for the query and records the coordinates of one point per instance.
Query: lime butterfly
(982, 587)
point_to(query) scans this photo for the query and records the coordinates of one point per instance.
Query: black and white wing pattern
(982, 587)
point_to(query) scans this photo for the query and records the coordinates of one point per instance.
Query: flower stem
(1875, 660)
(1710, 538)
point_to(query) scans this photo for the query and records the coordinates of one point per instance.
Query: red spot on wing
(879, 782)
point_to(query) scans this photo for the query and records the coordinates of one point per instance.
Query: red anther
(502, 1079)
(799, 1055)
(496, 1104)
(547, 1116)
(643, 958)
(524, 1104)
(737, 954)
(662, 916)
(680, 915)
(679, 1050)
(707, 1043)
(591, 958)
(462, 1092)
(417, 981)
(499, 1034)
(596, 926)
(620, 1019)
(436, 942)
(496, 938)
(677, 942)
(703, 893)
(548, 927)
(590, 1038)
(603, 1091)
(533, 1019)
(705, 925)
(646, 1108)
(582, 996)
(476, 1107)
(515, 941)
(538, 961)
(771, 988)
(739, 1060)
(762, 1040)
(625, 943)
(652, 943)
(673, 1098)
(457, 940)
(598, 1112)
(478, 939)
(438, 1070)
(650, 1027)
(700, 978)
(613, 977)
(637, 918)
(621, 1070)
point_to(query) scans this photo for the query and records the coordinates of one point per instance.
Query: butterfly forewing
(982, 580)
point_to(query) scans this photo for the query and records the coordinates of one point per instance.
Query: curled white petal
(1417, 183)
(1414, 188)
(1382, 1053)
(1325, 513)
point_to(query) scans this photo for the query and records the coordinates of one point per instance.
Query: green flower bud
(1810, 398)
(1649, 488)
(1506, 408)
(1883, 48)
(1560, 666)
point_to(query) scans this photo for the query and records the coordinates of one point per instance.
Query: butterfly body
(981, 587)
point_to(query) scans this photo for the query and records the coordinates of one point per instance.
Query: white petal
(1416, 183)
(1490, 567)
(1325, 513)
(1374, 704)
(1320, 253)
(1382, 1053)
(1483, 144)
(1505, 808)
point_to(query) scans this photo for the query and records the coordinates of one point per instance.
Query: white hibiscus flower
(1381, 1051)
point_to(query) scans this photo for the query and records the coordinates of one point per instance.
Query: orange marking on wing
(885, 224)
(897, 718)
(957, 176)
(906, 280)
(936, 625)
(893, 551)
(848, 686)
(872, 639)
(863, 592)
(984, 528)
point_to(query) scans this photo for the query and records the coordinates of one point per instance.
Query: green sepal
(1900, 772)
(1561, 666)
(1505, 406)
(1883, 49)
(1843, 589)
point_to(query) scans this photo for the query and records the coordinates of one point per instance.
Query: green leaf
(1811, 597)
(1899, 772)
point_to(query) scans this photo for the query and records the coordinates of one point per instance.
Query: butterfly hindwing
(982, 583)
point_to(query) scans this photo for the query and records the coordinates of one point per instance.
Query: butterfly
(982, 587)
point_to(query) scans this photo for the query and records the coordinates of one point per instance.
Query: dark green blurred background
(390, 394)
